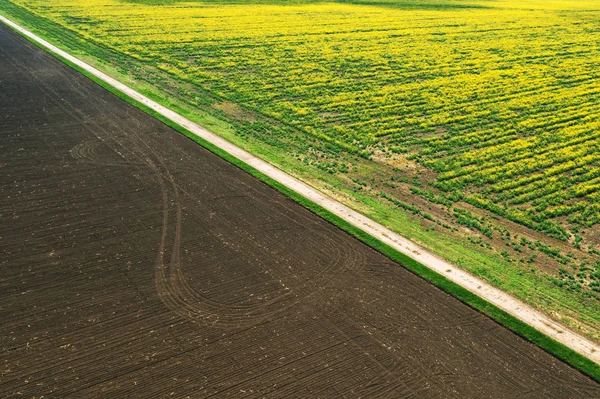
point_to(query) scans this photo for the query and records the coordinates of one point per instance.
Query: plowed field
(134, 263)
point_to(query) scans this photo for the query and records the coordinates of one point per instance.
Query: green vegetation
(447, 121)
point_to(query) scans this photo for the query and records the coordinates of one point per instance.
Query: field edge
(531, 334)
(565, 307)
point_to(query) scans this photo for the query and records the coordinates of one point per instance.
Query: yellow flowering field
(481, 119)
(498, 99)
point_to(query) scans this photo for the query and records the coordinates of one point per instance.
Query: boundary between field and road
(508, 311)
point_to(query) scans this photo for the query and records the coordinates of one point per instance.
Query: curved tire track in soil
(176, 292)
(137, 264)
(171, 283)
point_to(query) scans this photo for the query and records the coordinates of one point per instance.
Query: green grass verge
(519, 327)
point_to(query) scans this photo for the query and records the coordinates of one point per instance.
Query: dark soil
(134, 263)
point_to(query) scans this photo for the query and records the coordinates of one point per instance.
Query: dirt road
(134, 263)
(501, 299)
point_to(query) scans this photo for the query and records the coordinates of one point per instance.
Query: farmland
(138, 264)
(470, 127)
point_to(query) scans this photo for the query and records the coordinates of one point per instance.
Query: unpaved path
(499, 298)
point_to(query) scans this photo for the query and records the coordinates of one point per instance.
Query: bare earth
(134, 263)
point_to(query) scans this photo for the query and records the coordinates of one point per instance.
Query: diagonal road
(501, 299)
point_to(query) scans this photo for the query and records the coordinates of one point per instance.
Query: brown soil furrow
(135, 263)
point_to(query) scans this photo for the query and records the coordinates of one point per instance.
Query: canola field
(500, 100)
(476, 116)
